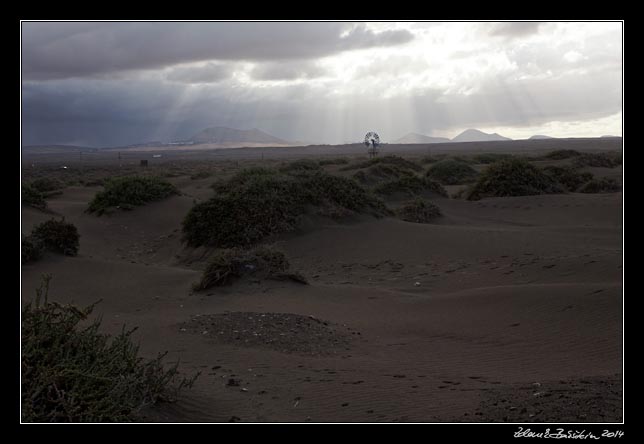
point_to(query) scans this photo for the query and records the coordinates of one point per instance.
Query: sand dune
(440, 321)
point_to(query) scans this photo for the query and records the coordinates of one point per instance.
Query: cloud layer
(107, 84)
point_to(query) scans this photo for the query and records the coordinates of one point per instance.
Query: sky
(105, 84)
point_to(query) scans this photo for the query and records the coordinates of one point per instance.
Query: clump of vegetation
(32, 197)
(380, 172)
(32, 249)
(487, 158)
(231, 264)
(46, 184)
(561, 155)
(419, 211)
(201, 175)
(388, 160)
(569, 177)
(411, 186)
(603, 185)
(513, 177)
(462, 193)
(73, 373)
(89, 182)
(258, 202)
(451, 172)
(301, 166)
(602, 160)
(128, 192)
(336, 161)
(430, 159)
(57, 236)
(48, 187)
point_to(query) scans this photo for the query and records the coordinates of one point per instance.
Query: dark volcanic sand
(457, 317)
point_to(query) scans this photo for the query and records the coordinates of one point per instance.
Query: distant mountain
(474, 135)
(420, 138)
(539, 137)
(610, 137)
(55, 148)
(221, 134)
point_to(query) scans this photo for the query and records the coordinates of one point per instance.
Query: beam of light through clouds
(116, 83)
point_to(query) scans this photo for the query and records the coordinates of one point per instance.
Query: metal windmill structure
(372, 141)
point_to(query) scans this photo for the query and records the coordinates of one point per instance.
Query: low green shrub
(418, 211)
(430, 159)
(570, 178)
(411, 186)
(301, 166)
(32, 197)
(130, 191)
(73, 373)
(231, 264)
(381, 172)
(487, 158)
(57, 236)
(603, 185)
(388, 160)
(258, 202)
(47, 185)
(451, 172)
(513, 177)
(602, 160)
(336, 161)
(561, 155)
(201, 175)
(32, 249)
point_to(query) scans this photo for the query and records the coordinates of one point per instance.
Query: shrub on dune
(561, 155)
(418, 211)
(73, 373)
(601, 160)
(301, 166)
(411, 186)
(201, 175)
(451, 172)
(336, 161)
(487, 158)
(430, 159)
(387, 160)
(604, 185)
(231, 264)
(32, 197)
(32, 250)
(57, 236)
(569, 177)
(128, 192)
(381, 172)
(47, 185)
(513, 177)
(259, 202)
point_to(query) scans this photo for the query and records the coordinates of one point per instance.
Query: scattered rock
(285, 332)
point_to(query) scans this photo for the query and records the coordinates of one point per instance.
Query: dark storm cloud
(110, 113)
(94, 83)
(63, 50)
(208, 73)
(514, 29)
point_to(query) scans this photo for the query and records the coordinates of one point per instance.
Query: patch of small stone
(283, 332)
(591, 399)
